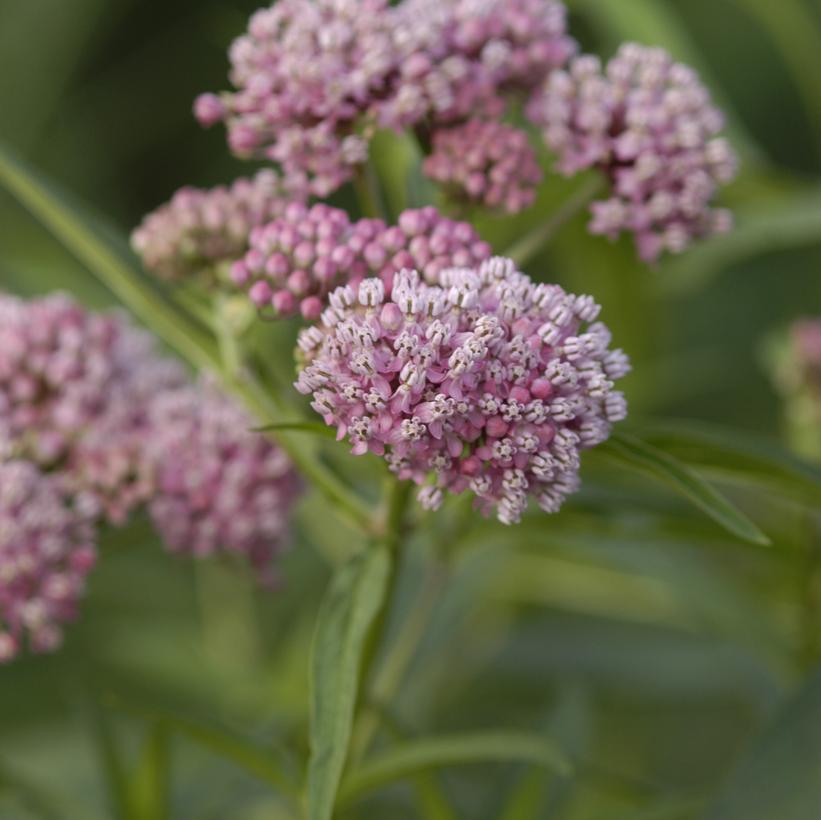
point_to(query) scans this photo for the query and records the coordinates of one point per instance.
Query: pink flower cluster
(488, 383)
(199, 231)
(93, 424)
(74, 387)
(219, 486)
(486, 162)
(295, 261)
(46, 550)
(315, 78)
(649, 124)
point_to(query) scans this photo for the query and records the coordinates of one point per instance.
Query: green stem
(391, 673)
(810, 627)
(523, 250)
(108, 755)
(392, 536)
(229, 347)
(368, 195)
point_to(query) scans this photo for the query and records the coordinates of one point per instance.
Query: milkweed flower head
(295, 261)
(487, 162)
(47, 548)
(199, 231)
(649, 124)
(313, 79)
(74, 387)
(219, 486)
(487, 383)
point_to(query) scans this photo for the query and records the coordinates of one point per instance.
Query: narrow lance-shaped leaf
(86, 242)
(639, 455)
(348, 611)
(738, 458)
(450, 750)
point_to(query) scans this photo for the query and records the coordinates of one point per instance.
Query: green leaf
(247, 754)
(350, 607)
(62, 218)
(731, 456)
(314, 427)
(638, 455)
(449, 750)
(779, 778)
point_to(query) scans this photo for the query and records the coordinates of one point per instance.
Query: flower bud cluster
(295, 261)
(200, 230)
(486, 162)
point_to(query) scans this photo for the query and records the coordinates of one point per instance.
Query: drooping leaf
(638, 455)
(780, 775)
(350, 607)
(450, 750)
(737, 458)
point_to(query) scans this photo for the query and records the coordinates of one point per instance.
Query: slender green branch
(229, 347)
(523, 250)
(397, 497)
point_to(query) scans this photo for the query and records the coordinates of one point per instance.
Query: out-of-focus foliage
(655, 650)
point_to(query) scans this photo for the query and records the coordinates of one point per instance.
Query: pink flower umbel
(315, 78)
(649, 124)
(485, 162)
(199, 231)
(46, 550)
(488, 383)
(297, 260)
(220, 486)
(74, 386)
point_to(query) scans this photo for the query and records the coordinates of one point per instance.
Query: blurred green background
(654, 647)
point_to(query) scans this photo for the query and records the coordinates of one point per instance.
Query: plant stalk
(525, 249)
